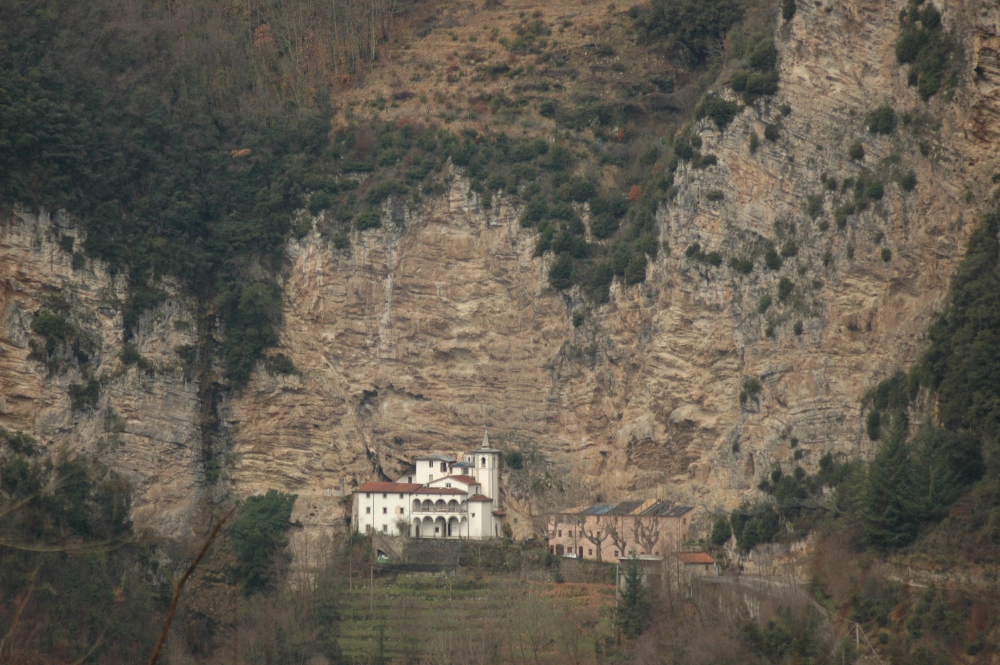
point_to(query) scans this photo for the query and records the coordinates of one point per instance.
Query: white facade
(441, 498)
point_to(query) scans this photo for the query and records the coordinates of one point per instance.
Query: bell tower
(486, 465)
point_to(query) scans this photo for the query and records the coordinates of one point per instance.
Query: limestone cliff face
(145, 423)
(441, 324)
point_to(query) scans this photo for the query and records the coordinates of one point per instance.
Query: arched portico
(440, 528)
(427, 528)
(453, 527)
(416, 505)
(416, 528)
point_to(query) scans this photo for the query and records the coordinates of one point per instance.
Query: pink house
(606, 532)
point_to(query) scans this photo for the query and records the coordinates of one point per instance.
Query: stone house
(607, 532)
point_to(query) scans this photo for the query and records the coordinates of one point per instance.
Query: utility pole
(371, 590)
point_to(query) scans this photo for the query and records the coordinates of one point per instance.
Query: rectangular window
(560, 533)
(443, 467)
(447, 484)
(385, 528)
(571, 533)
(367, 495)
(590, 552)
(400, 496)
(368, 528)
(616, 553)
(384, 496)
(385, 511)
(473, 514)
(368, 510)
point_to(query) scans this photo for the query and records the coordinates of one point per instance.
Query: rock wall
(441, 323)
(146, 422)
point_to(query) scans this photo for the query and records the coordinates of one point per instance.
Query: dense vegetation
(180, 136)
(73, 584)
(928, 48)
(258, 535)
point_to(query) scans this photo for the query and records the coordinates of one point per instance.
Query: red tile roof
(437, 490)
(468, 480)
(479, 497)
(695, 557)
(401, 488)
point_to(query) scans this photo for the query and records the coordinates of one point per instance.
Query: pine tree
(888, 511)
(634, 607)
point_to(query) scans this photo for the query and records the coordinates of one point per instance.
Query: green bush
(84, 396)
(856, 151)
(764, 303)
(841, 213)
(742, 265)
(787, 9)
(514, 459)
(814, 205)
(719, 110)
(908, 181)
(875, 190)
(635, 272)
(772, 260)
(319, 202)
(785, 288)
(258, 537)
(279, 363)
(561, 275)
(751, 389)
(690, 29)
(928, 49)
(369, 219)
(721, 532)
(772, 132)
(755, 525)
(882, 120)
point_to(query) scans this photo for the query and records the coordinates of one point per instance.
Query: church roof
(647, 508)
(484, 447)
(435, 457)
(468, 480)
(402, 488)
(437, 490)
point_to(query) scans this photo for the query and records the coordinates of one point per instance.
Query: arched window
(484, 462)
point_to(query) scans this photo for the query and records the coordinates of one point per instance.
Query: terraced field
(442, 619)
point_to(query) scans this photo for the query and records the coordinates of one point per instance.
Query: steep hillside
(786, 277)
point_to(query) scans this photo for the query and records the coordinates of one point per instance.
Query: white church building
(441, 498)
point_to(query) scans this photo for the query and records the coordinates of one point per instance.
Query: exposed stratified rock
(441, 324)
(145, 424)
